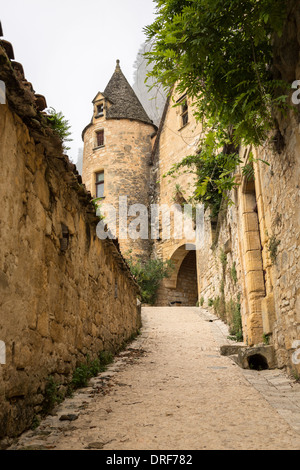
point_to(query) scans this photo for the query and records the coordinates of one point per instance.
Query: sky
(69, 48)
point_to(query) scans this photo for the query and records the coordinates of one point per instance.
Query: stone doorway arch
(181, 288)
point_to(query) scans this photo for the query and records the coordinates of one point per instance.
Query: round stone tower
(117, 155)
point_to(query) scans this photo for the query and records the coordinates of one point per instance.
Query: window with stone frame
(100, 138)
(184, 111)
(100, 184)
(99, 110)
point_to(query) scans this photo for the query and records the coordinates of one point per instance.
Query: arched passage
(181, 287)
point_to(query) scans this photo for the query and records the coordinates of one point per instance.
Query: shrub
(60, 125)
(148, 275)
(219, 306)
(233, 310)
(52, 396)
(91, 368)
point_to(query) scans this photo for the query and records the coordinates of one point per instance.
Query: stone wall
(219, 264)
(259, 234)
(63, 292)
(264, 224)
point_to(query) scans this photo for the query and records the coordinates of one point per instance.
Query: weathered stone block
(249, 202)
(251, 241)
(255, 304)
(267, 352)
(255, 282)
(253, 260)
(41, 189)
(250, 221)
(230, 349)
(22, 357)
(43, 324)
(17, 385)
(254, 329)
(57, 332)
(268, 313)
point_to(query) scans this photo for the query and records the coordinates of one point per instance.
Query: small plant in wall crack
(60, 125)
(52, 395)
(233, 272)
(223, 259)
(273, 248)
(266, 338)
(97, 206)
(178, 196)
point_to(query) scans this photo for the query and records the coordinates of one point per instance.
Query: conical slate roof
(124, 102)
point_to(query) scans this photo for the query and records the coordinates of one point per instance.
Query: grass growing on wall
(229, 312)
(233, 311)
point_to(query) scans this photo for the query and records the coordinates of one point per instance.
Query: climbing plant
(148, 275)
(220, 53)
(213, 171)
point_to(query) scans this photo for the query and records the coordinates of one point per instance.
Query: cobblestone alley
(172, 390)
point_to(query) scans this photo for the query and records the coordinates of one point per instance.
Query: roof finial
(118, 68)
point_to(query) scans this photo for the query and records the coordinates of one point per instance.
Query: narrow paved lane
(171, 390)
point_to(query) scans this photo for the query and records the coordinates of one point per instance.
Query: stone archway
(181, 288)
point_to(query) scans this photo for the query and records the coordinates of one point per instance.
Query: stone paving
(172, 390)
(276, 387)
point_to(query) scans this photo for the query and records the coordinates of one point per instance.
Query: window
(100, 138)
(100, 108)
(100, 184)
(184, 113)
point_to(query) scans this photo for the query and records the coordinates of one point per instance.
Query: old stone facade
(64, 293)
(246, 265)
(177, 138)
(248, 261)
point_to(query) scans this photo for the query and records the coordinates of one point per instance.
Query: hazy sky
(68, 49)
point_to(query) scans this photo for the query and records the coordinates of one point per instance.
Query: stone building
(117, 153)
(248, 260)
(177, 137)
